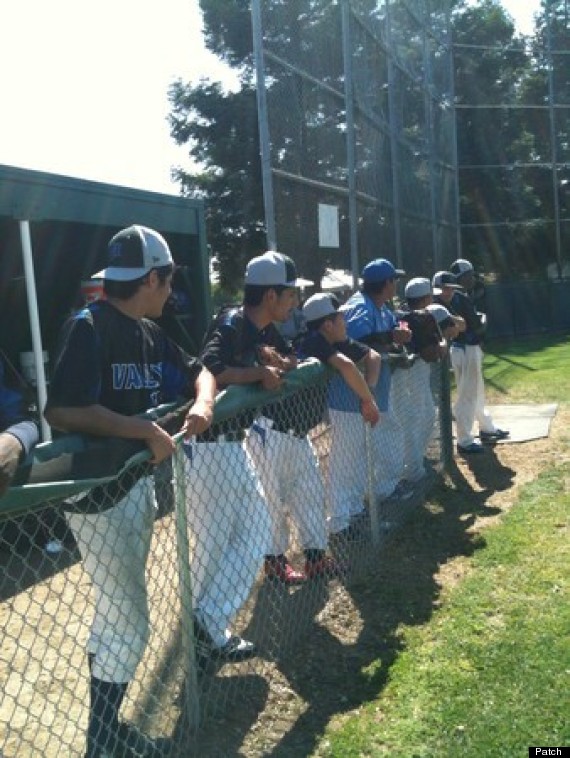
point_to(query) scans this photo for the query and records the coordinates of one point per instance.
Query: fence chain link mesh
(359, 109)
(212, 516)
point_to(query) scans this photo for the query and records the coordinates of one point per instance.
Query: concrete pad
(524, 422)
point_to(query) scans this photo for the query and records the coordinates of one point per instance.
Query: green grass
(527, 370)
(489, 673)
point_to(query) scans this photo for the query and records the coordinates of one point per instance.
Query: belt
(234, 435)
(290, 432)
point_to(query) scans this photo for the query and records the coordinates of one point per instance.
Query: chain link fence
(513, 162)
(218, 519)
(356, 115)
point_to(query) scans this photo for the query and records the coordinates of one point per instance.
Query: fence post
(445, 420)
(264, 137)
(191, 701)
(350, 141)
(373, 505)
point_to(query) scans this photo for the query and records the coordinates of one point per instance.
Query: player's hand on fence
(198, 418)
(269, 356)
(402, 335)
(160, 443)
(10, 451)
(370, 412)
(271, 377)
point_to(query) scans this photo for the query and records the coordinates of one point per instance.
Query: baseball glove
(426, 335)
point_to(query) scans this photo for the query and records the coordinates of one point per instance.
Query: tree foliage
(504, 146)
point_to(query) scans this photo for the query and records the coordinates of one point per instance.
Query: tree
(491, 62)
(221, 131)
(550, 48)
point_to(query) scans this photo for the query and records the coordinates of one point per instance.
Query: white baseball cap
(133, 252)
(439, 312)
(271, 269)
(417, 287)
(320, 305)
(461, 266)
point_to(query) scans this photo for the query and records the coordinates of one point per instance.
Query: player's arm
(15, 443)
(372, 362)
(459, 323)
(358, 385)
(401, 334)
(269, 377)
(103, 422)
(201, 412)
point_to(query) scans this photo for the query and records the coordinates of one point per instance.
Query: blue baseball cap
(379, 270)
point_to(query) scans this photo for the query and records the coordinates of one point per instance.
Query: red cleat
(278, 567)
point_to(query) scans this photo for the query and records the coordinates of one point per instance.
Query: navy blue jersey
(234, 343)
(462, 305)
(124, 364)
(339, 396)
(314, 345)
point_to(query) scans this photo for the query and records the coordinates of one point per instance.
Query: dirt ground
(286, 704)
(325, 648)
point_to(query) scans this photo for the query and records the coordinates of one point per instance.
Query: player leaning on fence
(370, 320)
(350, 399)
(284, 459)
(414, 385)
(114, 363)
(230, 522)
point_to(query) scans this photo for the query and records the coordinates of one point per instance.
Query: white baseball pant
(469, 406)
(388, 438)
(288, 469)
(346, 479)
(230, 526)
(114, 547)
(417, 417)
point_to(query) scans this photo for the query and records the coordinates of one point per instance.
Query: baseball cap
(379, 270)
(133, 252)
(444, 279)
(439, 312)
(271, 269)
(417, 287)
(461, 266)
(320, 305)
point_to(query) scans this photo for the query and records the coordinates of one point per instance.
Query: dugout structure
(70, 222)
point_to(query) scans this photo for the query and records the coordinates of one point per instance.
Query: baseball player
(369, 320)
(351, 402)
(115, 362)
(284, 458)
(412, 397)
(231, 524)
(467, 362)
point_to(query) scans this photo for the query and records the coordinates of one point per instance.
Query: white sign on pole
(328, 226)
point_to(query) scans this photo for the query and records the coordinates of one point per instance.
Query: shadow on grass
(328, 675)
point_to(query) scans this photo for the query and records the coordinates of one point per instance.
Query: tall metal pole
(454, 148)
(430, 142)
(264, 139)
(553, 145)
(394, 151)
(32, 296)
(350, 142)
